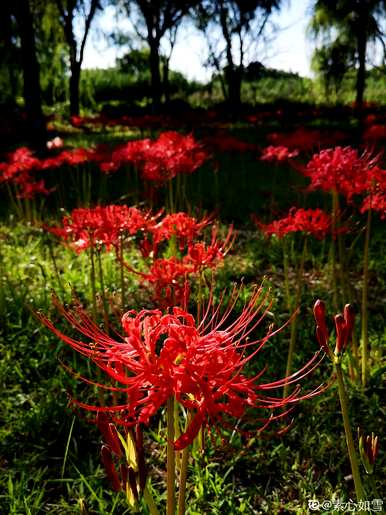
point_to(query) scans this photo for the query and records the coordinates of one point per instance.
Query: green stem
(92, 280)
(170, 189)
(183, 477)
(149, 500)
(184, 473)
(365, 334)
(123, 286)
(104, 300)
(286, 274)
(171, 463)
(299, 284)
(349, 437)
(333, 251)
(54, 263)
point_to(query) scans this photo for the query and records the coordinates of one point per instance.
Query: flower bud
(341, 333)
(368, 450)
(321, 327)
(107, 460)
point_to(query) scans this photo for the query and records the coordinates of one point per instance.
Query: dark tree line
(346, 28)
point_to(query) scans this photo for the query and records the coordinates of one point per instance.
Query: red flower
(314, 222)
(341, 169)
(168, 278)
(377, 202)
(184, 227)
(200, 255)
(19, 165)
(98, 226)
(278, 153)
(29, 189)
(201, 364)
(160, 160)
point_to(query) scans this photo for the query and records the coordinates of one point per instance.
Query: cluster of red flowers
(170, 355)
(305, 139)
(20, 170)
(170, 155)
(375, 189)
(341, 169)
(314, 222)
(180, 225)
(99, 226)
(168, 277)
(279, 153)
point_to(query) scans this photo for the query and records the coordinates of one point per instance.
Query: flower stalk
(348, 433)
(171, 463)
(364, 331)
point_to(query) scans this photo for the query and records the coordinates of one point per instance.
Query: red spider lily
(305, 139)
(201, 364)
(160, 160)
(29, 189)
(18, 166)
(132, 152)
(168, 279)
(20, 170)
(376, 202)
(184, 227)
(343, 170)
(278, 153)
(201, 255)
(98, 226)
(376, 192)
(72, 157)
(314, 222)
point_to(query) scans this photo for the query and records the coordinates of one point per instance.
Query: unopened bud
(321, 327)
(368, 450)
(341, 333)
(107, 460)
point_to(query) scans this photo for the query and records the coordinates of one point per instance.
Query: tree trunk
(156, 89)
(74, 88)
(31, 79)
(361, 74)
(166, 82)
(232, 72)
(234, 86)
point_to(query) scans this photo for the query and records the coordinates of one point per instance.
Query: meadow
(235, 391)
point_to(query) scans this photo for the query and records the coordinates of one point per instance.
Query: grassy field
(50, 452)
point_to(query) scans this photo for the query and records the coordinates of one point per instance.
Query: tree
(156, 19)
(9, 56)
(357, 21)
(69, 10)
(30, 66)
(237, 20)
(331, 62)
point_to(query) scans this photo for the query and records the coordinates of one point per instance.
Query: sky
(289, 48)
